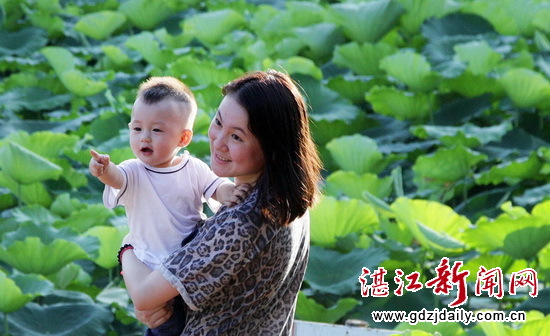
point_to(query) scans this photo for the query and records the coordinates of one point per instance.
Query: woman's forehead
(232, 114)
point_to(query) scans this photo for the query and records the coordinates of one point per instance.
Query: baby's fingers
(100, 158)
(95, 155)
(240, 193)
(243, 190)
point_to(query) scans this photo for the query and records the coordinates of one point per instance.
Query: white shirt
(163, 205)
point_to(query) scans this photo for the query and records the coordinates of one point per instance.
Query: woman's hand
(156, 317)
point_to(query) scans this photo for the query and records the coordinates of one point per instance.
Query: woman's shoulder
(243, 219)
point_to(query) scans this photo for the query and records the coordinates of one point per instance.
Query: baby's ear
(186, 137)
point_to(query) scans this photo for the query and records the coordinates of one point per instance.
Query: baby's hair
(156, 89)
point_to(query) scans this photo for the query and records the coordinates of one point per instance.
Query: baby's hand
(98, 163)
(239, 194)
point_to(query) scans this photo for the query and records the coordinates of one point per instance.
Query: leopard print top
(239, 275)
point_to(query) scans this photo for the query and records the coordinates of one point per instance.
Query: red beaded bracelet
(123, 249)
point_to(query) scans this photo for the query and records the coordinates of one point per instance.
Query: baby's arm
(106, 171)
(229, 194)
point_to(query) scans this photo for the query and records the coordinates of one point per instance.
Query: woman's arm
(148, 289)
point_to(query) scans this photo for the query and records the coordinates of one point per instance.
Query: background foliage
(431, 117)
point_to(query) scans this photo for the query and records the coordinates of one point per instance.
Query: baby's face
(157, 132)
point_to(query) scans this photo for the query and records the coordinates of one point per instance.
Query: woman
(241, 273)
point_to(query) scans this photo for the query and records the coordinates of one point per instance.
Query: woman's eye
(157, 130)
(137, 129)
(217, 122)
(236, 137)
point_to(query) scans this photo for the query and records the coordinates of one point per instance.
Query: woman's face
(235, 151)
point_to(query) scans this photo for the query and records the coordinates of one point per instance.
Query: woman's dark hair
(278, 117)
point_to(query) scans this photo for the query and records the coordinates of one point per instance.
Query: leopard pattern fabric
(239, 275)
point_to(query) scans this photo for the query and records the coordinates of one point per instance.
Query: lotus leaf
(449, 328)
(304, 13)
(354, 185)
(511, 172)
(412, 69)
(320, 39)
(35, 193)
(203, 73)
(64, 205)
(309, 310)
(172, 41)
(436, 226)
(35, 214)
(357, 153)
(33, 99)
(447, 165)
(468, 135)
(353, 88)
(533, 195)
(340, 278)
(61, 59)
(47, 144)
(456, 24)
(149, 47)
(114, 295)
(362, 59)
(210, 27)
(42, 249)
(333, 219)
(110, 239)
(471, 86)
(527, 242)
(525, 87)
(62, 316)
(32, 256)
(116, 56)
(145, 14)
(485, 238)
(11, 296)
(534, 326)
(366, 21)
(26, 167)
(401, 105)
(324, 129)
(22, 42)
(536, 307)
(79, 84)
(509, 17)
(83, 219)
(19, 289)
(100, 25)
(495, 328)
(479, 56)
(418, 11)
(488, 261)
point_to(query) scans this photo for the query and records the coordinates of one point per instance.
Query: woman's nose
(218, 142)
